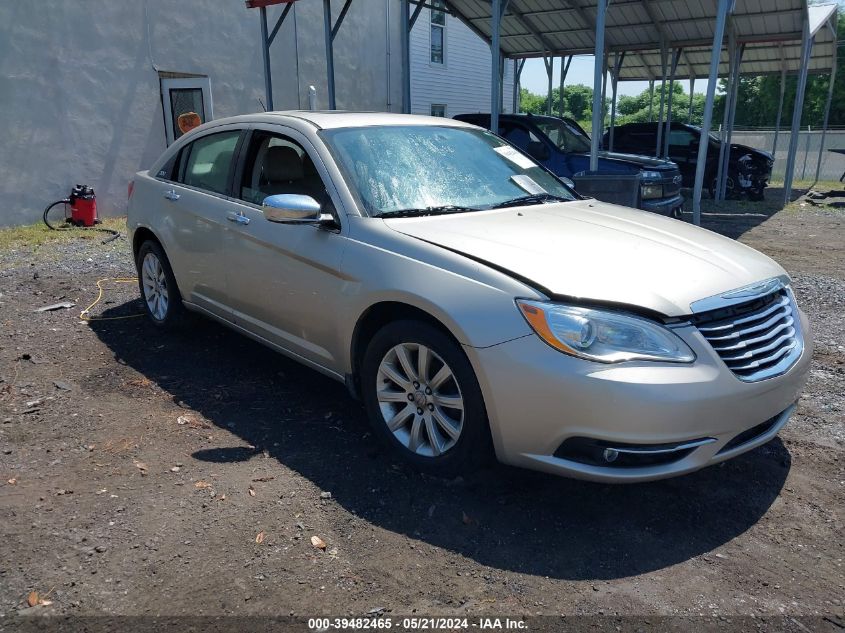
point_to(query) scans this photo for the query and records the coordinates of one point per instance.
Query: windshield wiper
(538, 198)
(424, 211)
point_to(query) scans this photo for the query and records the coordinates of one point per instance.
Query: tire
(159, 292)
(462, 440)
(729, 189)
(757, 194)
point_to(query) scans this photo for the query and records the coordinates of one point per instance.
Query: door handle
(237, 218)
(171, 195)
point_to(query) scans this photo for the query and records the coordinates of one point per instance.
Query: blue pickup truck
(563, 147)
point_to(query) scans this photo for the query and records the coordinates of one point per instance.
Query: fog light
(610, 455)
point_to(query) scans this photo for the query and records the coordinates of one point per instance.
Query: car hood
(643, 162)
(593, 251)
(738, 150)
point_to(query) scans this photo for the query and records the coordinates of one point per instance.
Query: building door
(182, 98)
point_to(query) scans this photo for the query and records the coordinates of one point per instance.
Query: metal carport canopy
(534, 28)
(545, 28)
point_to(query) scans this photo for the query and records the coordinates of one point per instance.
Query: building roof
(768, 28)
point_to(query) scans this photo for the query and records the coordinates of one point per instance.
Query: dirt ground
(160, 474)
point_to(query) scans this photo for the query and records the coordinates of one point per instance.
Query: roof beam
(751, 39)
(651, 23)
(524, 22)
(756, 14)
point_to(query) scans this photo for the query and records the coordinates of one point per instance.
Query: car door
(283, 278)
(683, 149)
(194, 217)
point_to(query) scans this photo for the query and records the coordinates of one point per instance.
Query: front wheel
(758, 193)
(423, 399)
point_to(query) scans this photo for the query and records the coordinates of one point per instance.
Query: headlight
(650, 192)
(650, 175)
(607, 337)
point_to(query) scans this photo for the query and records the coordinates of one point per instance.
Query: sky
(581, 72)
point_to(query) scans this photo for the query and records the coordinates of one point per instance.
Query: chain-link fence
(807, 157)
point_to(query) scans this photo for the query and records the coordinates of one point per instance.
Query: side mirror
(291, 208)
(568, 182)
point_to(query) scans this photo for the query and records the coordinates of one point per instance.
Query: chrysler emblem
(754, 290)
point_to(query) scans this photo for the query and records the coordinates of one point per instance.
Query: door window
(683, 145)
(276, 164)
(187, 104)
(209, 161)
(681, 138)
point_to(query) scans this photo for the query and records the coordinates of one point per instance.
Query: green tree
(577, 102)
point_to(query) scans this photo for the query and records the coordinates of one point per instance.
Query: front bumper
(663, 206)
(537, 398)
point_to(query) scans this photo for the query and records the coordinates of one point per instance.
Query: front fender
(474, 302)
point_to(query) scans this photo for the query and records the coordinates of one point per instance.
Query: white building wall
(80, 99)
(462, 82)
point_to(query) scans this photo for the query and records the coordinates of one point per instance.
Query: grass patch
(34, 235)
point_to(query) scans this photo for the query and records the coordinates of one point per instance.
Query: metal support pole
(664, 54)
(780, 102)
(675, 59)
(549, 63)
(598, 66)
(518, 65)
(723, 129)
(496, 55)
(691, 93)
(729, 127)
(650, 100)
(725, 7)
(265, 49)
(798, 108)
(327, 26)
(564, 70)
(604, 92)
(617, 67)
(504, 60)
(806, 151)
(405, 19)
(826, 111)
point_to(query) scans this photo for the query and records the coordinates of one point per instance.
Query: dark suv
(749, 169)
(562, 147)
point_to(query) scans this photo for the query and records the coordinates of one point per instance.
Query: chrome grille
(757, 339)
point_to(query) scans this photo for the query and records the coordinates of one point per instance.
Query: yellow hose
(85, 316)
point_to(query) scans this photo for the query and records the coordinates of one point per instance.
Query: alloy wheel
(420, 399)
(155, 286)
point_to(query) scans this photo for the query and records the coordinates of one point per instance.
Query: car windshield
(564, 135)
(714, 136)
(426, 169)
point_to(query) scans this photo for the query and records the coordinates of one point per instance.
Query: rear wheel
(423, 399)
(162, 300)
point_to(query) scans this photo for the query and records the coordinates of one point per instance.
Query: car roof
(333, 119)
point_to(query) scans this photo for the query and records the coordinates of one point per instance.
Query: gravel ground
(144, 473)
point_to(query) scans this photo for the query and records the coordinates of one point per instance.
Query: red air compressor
(83, 207)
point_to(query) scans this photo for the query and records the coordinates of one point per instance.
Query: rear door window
(208, 162)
